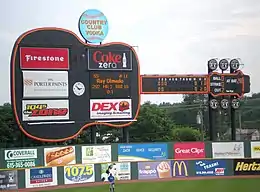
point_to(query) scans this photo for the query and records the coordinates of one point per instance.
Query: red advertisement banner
(44, 58)
(189, 150)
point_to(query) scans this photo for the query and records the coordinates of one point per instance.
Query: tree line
(184, 121)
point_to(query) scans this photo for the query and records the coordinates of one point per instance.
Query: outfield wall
(34, 167)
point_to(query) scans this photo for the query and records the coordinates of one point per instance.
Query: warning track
(133, 181)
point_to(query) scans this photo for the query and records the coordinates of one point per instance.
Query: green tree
(153, 124)
(186, 134)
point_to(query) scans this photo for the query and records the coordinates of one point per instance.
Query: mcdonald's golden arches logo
(179, 169)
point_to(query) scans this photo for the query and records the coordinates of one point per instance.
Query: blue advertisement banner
(210, 168)
(142, 152)
(180, 168)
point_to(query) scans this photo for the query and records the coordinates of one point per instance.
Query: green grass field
(214, 185)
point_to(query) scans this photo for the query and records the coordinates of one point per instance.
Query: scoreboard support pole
(212, 115)
(126, 134)
(233, 122)
(232, 115)
(93, 133)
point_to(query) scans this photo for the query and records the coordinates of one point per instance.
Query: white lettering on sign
(43, 58)
(192, 150)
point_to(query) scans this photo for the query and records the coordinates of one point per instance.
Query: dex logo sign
(109, 60)
(110, 109)
(190, 150)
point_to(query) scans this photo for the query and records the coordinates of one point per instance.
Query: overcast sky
(174, 36)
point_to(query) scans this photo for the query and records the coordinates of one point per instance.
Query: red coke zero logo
(189, 150)
(107, 60)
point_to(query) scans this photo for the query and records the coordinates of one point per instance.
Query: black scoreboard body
(109, 71)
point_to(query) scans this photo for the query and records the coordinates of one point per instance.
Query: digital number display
(174, 84)
(110, 85)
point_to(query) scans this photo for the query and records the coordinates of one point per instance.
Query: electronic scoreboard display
(174, 84)
(224, 84)
(217, 84)
(110, 85)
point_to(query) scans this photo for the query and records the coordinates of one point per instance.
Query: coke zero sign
(110, 60)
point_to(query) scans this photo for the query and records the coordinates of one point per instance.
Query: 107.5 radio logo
(79, 174)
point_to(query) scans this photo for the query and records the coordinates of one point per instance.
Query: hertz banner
(179, 169)
(246, 166)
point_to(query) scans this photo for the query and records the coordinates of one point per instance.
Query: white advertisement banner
(20, 154)
(47, 84)
(228, 150)
(96, 154)
(255, 149)
(121, 171)
(39, 110)
(79, 174)
(59, 156)
(41, 177)
(110, 108)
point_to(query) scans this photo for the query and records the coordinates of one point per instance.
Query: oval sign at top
(93, 26)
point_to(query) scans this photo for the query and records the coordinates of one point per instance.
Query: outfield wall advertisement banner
(180, 168)
(79, 174)
(96, 154)
(142, 152)
(20, 158)
(189, 150)
(246, 166)
(210, 168)
(59, 156)
(41, 177)
(121, 171)
(228, 150)
(255, 149)
(8, 180)
(154, 170)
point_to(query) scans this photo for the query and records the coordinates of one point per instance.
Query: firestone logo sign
(110, 60)
(191, 150)
(44, 58)
(110, 108)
